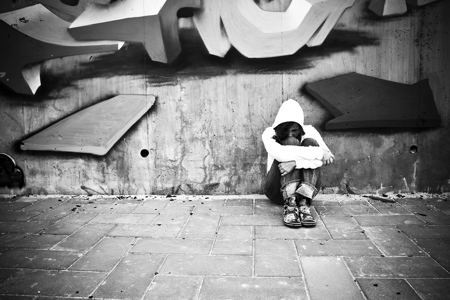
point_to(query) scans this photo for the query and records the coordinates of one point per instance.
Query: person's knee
(291, 141)
(310, 142)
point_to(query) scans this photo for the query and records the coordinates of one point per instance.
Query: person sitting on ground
(295, 154)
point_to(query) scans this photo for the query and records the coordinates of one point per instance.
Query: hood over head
(290, 111)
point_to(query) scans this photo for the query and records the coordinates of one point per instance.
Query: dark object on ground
(11, 175)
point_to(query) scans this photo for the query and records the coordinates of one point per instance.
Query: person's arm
(288, 153)
(328, 156)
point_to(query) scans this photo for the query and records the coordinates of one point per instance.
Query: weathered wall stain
(195, 61)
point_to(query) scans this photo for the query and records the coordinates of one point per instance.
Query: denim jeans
(303, 181)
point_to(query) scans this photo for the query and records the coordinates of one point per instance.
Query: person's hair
(282, 131)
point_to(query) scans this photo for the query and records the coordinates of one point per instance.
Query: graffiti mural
(253, 32)
(217, 72)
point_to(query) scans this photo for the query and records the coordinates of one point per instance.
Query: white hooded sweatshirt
(304, 157)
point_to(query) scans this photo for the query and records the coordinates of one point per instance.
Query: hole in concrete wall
(413, 149)
(144, 153)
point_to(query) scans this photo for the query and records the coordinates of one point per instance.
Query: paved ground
(222, 248)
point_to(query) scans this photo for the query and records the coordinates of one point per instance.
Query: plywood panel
(388, 8)
(93, 130)
(360, 101)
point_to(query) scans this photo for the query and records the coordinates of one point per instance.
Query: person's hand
(328, 157)
(286, 167)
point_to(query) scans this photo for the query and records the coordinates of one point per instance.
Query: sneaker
(306, 217)
(291, 215)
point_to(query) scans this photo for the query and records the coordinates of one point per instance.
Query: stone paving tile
(9, 297)
(336, 248)
(217, 265)
(329, 278)
(275, 247)
(224, 210)
(201, 226)
(239, 202)
(57, 298)
(94, 199)
(43, 241)
(443, 206)
(7, 273)
(62, 228)
(174, 215)
(52, 283)
(396, 267)
(390, 208)
(277, 266)
(235, 232)
(351, 202)
(152, 231)
(55, 214)
(131, 277)
(143, 219)
(84, 238)
(105, 208)
(392, 242)
(27, 199)
(437, 249)
(344, 227)
(418, 201)
(174, 287)
(69, 224)
(326, 203)
(151, 207)
(431, 289)
(17, 215)
(197, 202)
(22, 227)
(38, 259)
(429, 214)
(10, 237)
(187, 246)
(268, 209)
(426, 232)
(104, 255)
(283, 232)
(13, 206)
(412, 201)
(387, 289)
(236, 247)
(44, 205)
(79, 218)
(388, 220)
(253, 220)
(250, 288)
(350, 210)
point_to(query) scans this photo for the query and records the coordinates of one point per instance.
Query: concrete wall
(203, 134)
